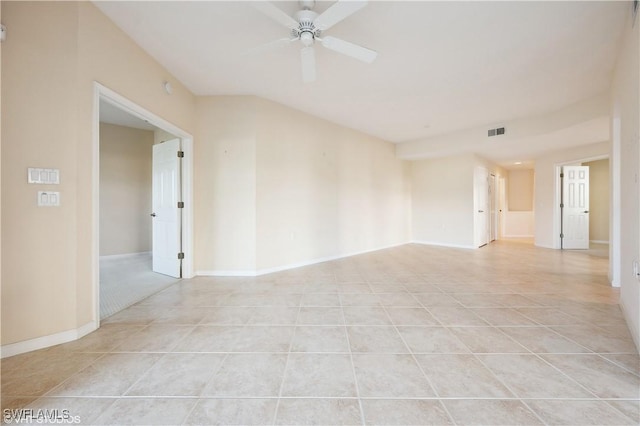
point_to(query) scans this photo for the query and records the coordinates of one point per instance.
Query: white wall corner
(47, 341)
(635, 333)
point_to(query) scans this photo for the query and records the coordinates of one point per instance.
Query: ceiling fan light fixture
(306, 38)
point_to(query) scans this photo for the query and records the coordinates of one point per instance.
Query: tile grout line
(286, 364)
(353, 368)
(424, 374)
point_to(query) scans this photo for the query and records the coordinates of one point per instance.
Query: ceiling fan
(307, 27)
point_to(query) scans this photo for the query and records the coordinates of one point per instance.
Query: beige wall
(545, 188)
(225, 184)
(598, 200)
(324, 190)
(51, 125)
(625, 167)
(443, 199)
(277, 187)
(520, 190)
(125, 189)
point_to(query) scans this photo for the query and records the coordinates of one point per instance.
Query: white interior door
(166, 215)
(575, 211)
(481, 195)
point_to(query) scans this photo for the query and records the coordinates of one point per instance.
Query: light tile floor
(509, 334)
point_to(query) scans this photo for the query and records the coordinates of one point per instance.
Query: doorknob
(480, 211)
(586, 211)
(152, 215)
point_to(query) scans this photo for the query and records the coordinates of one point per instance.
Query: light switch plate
(43, 176)
(48, 199)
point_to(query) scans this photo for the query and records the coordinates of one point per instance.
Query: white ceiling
(442, 66)
(114, 115)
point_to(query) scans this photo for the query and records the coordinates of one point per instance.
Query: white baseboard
(46, 341)
(431, 243)
(125, 255)
(599, 241)
(225, 273)
(258, 272)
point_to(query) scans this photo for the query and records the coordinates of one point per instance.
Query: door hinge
(180, 255)
(561, 235)
(181, 204)
(561, 205)
(180, 154)
(561, 175)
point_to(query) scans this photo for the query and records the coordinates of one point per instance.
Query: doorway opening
(582, 211)
(142, 203)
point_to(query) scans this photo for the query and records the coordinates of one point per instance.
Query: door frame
(477, 223)
(101, 92)
(557, 194)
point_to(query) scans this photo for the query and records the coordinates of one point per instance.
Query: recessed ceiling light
(517, 163)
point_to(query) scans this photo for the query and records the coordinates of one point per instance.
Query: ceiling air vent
(496, 132)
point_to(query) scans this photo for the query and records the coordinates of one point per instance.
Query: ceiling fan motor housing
(306, 30)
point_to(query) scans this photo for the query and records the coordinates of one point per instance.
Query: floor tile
(454, 316)
(319, 375)
(227, 316)
(320, 299)
(530, 377)
(404, 412)
(461, 376)
(111, 375)
(630, 362)
(359, 299)
(491, 412)
(543, 340)
(178, 375)
(264, 339)
(320, 316)
(549, 316)
(432, 340)
(143, 411)
(318, 412)
(630, 408)
(233, 412)
(404, 300)
(182, 316)
(503, 317)
(380, 339)
(411, 316)
(155, 338)
(600, 376)
(248, 375)
(366, 316)
(278, 315)
(564, 412)
(43, 373)
(320, 339)
(436, 299)
(84, 410)
(390, 376)
(487, 340)
(599, 339)
(210, 339)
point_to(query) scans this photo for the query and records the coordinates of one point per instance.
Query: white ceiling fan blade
(346, 48)
(308, 59)
(272, 45)
(276, 14)
(337, 12)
